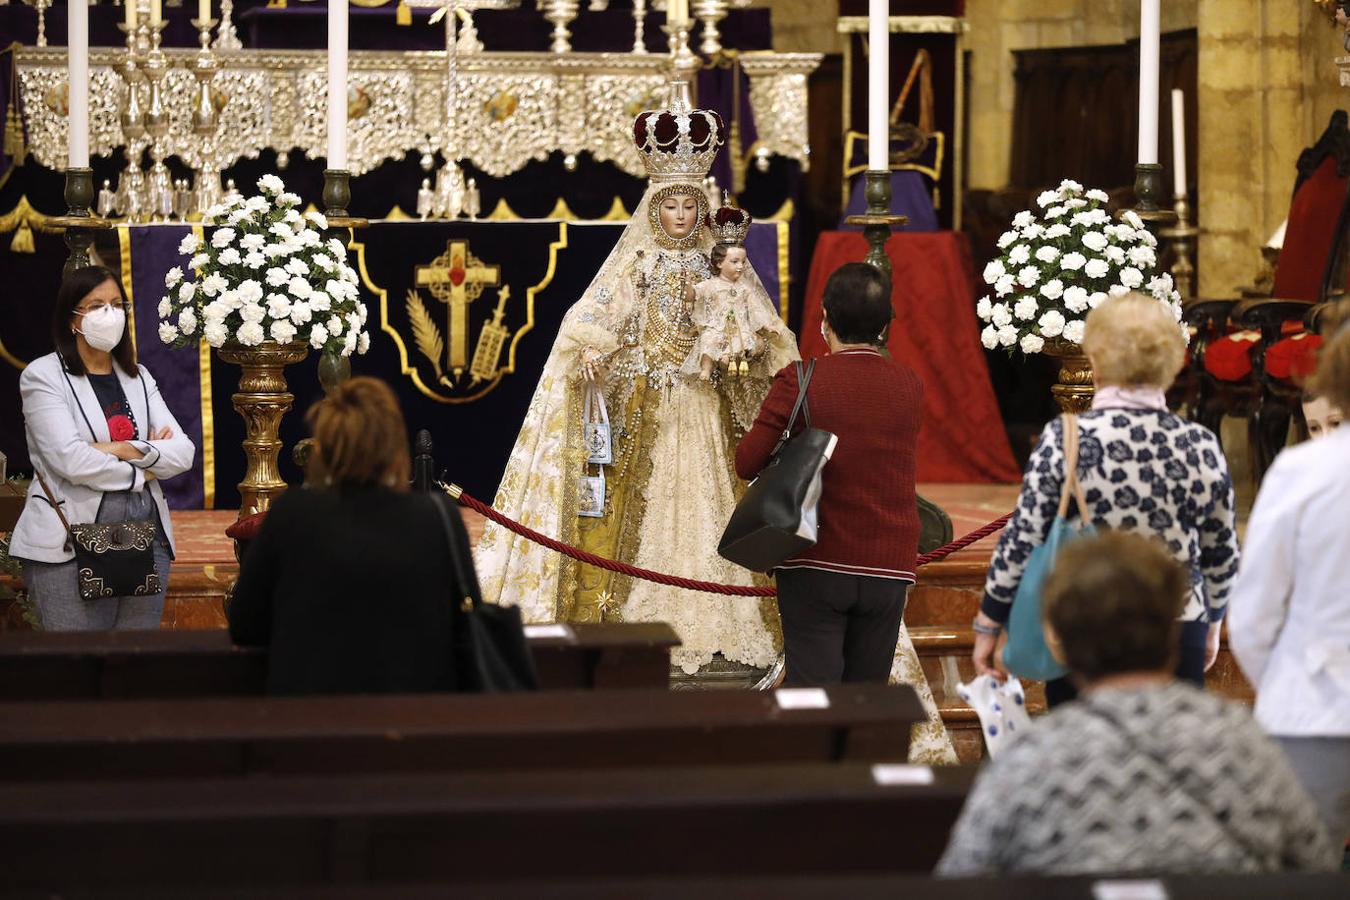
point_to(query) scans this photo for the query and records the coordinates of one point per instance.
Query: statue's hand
(591, 363)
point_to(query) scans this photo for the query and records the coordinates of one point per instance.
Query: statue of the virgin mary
(664, 498)
(671, 486)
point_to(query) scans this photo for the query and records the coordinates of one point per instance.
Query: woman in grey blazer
(101, 436)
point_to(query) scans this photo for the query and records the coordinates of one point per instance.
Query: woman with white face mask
(101, 439)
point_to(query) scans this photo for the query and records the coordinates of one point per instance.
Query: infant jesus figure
(736, 322)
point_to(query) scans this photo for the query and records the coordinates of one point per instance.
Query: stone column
(1267, 85)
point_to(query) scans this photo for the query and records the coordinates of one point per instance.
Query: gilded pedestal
(1073, 391)
(262, 400)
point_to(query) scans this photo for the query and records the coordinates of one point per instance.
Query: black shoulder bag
(491, 654)
(776, 519)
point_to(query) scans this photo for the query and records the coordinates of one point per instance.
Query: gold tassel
(23, 239)
(403, 15)
(14, 146)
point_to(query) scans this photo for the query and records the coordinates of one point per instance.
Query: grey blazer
(62, 418)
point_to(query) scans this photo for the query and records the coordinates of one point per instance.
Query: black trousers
(1190, 665)
(838, 627)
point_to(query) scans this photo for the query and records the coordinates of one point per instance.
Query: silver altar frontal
(511, 107)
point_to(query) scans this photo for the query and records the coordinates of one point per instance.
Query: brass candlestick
(1148, 192)
(337, 196)
(878, 221)
(1182, 236)
(79, 223)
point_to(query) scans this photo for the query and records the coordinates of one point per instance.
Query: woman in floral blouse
(1143, 468)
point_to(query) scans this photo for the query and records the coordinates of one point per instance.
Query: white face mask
(103, 328)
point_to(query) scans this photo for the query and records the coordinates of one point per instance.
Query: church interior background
(496, 178)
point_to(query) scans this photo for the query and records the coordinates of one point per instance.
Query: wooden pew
(474, 827)
(1288, 886)
(164, 664)
(157, 739)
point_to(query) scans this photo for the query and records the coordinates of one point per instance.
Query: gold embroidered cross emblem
(457, 278)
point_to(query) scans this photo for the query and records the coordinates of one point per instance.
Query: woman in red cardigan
(841, 600)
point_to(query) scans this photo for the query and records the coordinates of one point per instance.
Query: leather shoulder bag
(776, 519)
(488, 640)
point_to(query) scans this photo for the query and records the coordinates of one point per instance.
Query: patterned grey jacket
(1143, 470)
(1153, 779)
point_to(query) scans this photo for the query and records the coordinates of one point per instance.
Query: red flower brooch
(121, 428)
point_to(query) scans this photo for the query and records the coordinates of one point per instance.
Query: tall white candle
(77, 74)
(131, 14)
(337, 84)
(1178, 143)
(1149, 28)
(878, 84)
(677, 12)
(156, 12)
(203, 10)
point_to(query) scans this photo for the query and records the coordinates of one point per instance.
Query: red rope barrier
(706, 587)
(964, 541)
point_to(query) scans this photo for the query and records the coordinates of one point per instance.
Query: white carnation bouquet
(1058, 264)
(266, 274)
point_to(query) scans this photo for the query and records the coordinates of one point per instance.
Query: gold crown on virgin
(728, 224)
(678, 143)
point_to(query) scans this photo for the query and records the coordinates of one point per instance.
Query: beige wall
(804, 26)
(1267, 88)
(998, 27)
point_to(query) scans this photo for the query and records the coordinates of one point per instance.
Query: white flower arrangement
(265, 274)
(1061, 262)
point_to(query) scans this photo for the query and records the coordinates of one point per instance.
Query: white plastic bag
(1002, 708)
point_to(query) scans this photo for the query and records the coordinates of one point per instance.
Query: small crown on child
(728, 224)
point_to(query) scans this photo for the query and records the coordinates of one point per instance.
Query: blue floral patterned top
(1142, 470)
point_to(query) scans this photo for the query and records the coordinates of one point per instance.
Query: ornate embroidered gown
(672, 485)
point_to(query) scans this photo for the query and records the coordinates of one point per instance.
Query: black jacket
(352, 589)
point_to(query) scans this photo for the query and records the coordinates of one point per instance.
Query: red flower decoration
(120, 428)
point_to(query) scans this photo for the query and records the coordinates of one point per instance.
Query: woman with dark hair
(101, 439)
(841, 600)
(352, 585)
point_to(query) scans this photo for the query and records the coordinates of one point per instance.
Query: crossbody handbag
(1026, 654)
(112, 559)
(491, 654)
(776, 519)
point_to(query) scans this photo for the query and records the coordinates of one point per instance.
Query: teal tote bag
(1026, 654)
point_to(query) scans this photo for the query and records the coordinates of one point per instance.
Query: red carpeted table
(936, 333)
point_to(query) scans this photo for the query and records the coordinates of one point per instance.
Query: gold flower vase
(1073, 391)
(262, 401)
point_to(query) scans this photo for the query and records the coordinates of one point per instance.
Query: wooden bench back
(159, 739)
(165, 664)
(474, 827)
